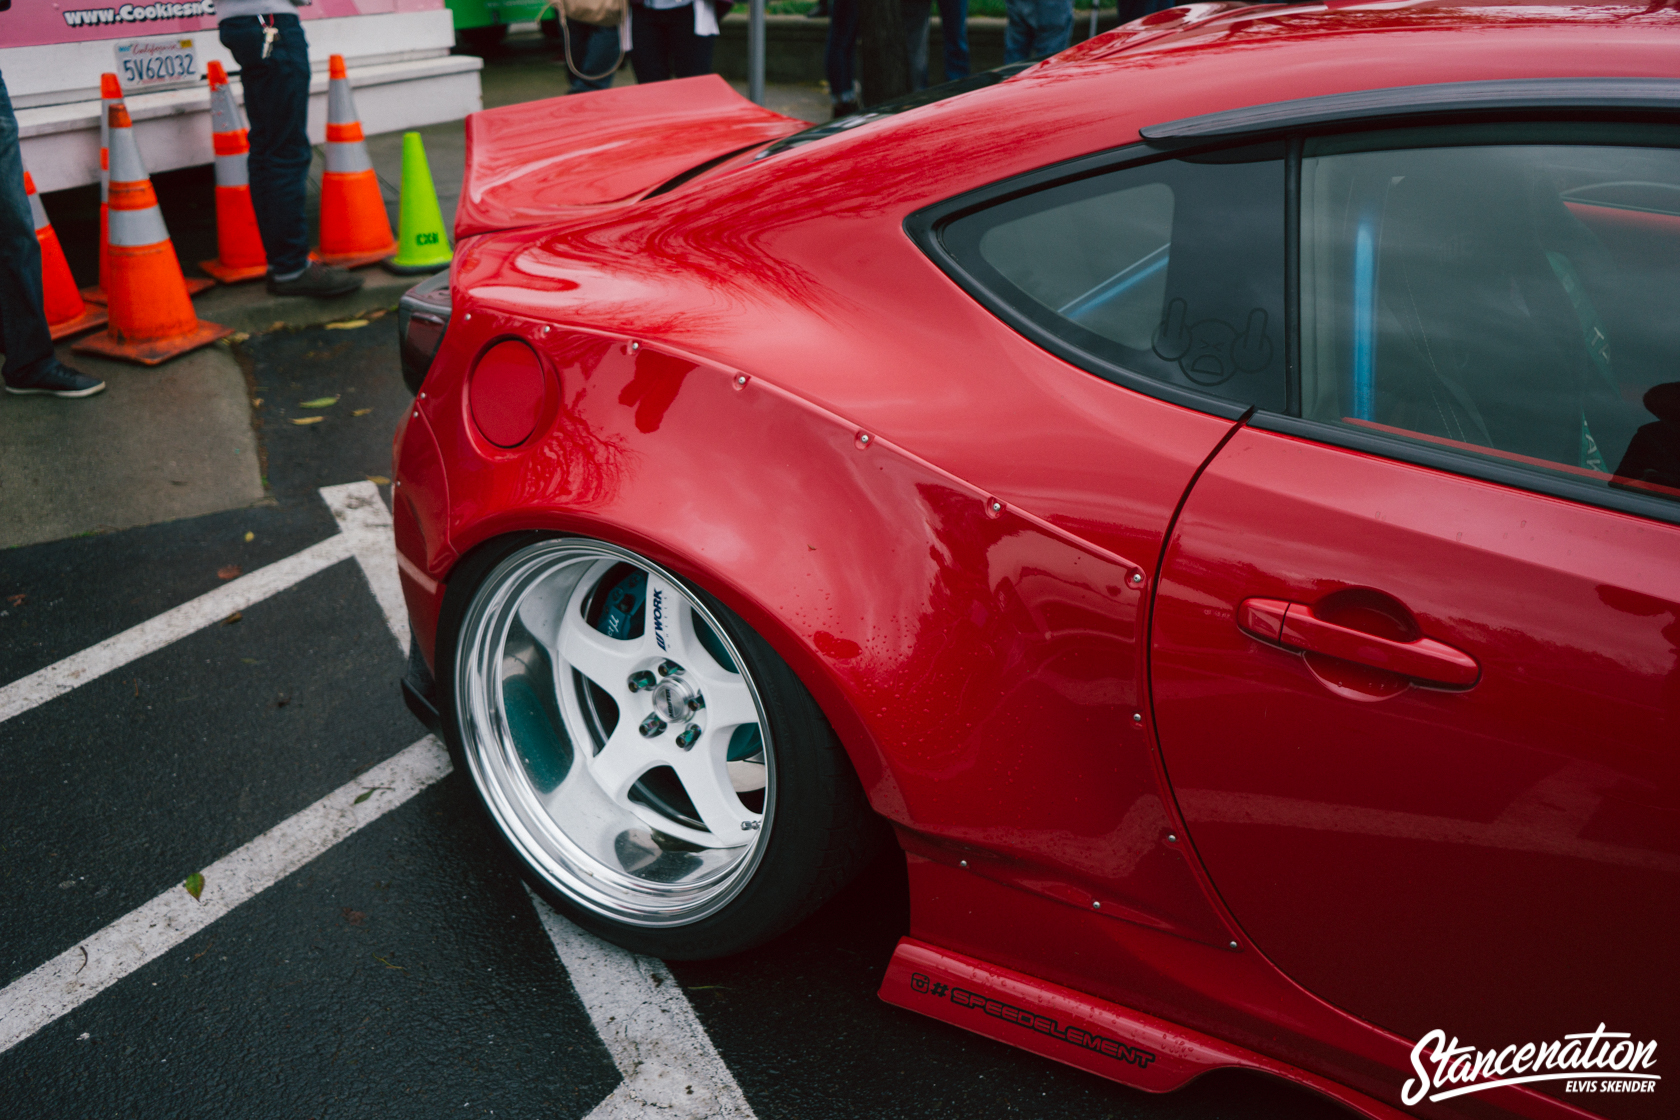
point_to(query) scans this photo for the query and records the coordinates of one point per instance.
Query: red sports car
(1212, 498)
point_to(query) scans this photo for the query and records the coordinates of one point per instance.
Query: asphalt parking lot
(360, 945)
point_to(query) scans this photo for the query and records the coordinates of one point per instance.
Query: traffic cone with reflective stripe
(355, 230)
(152, 317)
(66, 313)
(424, 242)
(239, 247)
(110, 93)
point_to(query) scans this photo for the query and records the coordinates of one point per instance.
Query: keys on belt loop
(270, 33)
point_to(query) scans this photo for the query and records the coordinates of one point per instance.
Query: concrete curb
(249, 307)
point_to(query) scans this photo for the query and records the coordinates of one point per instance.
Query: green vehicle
(480, 25)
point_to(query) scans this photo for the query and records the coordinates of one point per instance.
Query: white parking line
(365, 523)
(669, 1064)
(82, 972)
(155, 633)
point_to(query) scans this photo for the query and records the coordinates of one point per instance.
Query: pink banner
(36, 22)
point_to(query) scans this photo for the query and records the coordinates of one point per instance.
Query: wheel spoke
(728, 702)
(668, 625)
(705, 778)
(606, 661)
(624, 759)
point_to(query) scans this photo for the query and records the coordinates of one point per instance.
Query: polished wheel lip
(541, 842)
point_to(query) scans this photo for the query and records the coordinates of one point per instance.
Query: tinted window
(1513, 303)
(1172, 270)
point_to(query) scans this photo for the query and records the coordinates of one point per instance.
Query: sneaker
(55, 379)
(319, 280)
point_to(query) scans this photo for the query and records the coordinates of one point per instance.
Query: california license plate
(148, 63)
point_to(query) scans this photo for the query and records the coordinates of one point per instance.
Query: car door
(1415, 650)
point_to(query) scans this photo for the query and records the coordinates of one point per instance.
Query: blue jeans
(23, 317)
(953, 28)
(1036, 29)
(277, 105)
(594, 51)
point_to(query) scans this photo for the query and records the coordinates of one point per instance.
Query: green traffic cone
(422, 243)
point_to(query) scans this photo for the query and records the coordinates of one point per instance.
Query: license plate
(149, 63)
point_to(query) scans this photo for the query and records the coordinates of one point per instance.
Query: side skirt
(1077, 1029)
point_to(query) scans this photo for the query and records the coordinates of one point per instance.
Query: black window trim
(924, 226)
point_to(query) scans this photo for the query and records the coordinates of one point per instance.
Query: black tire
(818, 828)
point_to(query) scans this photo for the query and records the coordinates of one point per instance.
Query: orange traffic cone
(66, 313)
(239, 247)
(110, 93)
(152, 317)
(355, 230)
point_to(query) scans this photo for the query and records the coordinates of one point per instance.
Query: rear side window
(1514, 304)
(1172, 270)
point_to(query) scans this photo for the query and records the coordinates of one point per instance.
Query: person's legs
(1052, 27)
(595, 52)
(691, 54)
(23, 319)
(953, 28)
(916, 39)
(649, 52)
(277, 104)
(1018, 32)
(840, 51)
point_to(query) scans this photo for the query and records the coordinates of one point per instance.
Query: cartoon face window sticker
(1211, 352)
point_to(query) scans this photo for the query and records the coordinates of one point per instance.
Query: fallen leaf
(16, 600)
(388, 964)
(309, 419)
(250, 661)
(256, 402)
(319, 402)
(249, 537)
(231, 571)
(282, 700)
(347, 325)
(354, 917)
(378, 313)
(363, 796)
(361, 412)
(238, 336)
(379, 480)
(194, 884)
(232, 618)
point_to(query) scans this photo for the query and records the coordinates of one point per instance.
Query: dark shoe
(844, 108)
(319, 280)
(55, 379)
